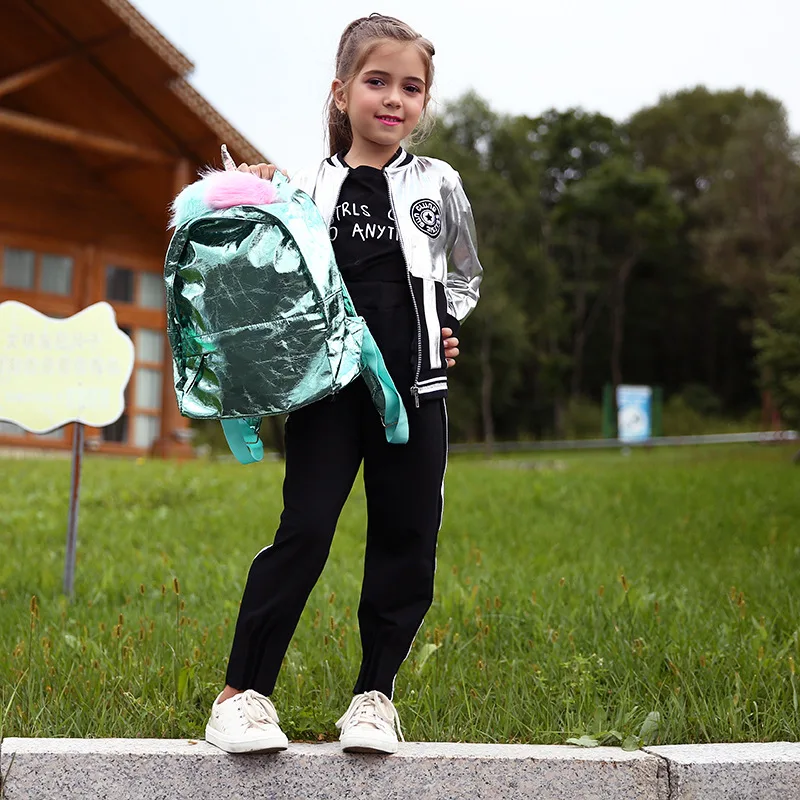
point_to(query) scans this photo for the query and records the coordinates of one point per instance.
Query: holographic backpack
(258, 317)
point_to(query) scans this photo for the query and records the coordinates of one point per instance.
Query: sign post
(53, 372)
(74, 503)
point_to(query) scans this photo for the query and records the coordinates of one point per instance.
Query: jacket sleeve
(304, 179)
(464, 270)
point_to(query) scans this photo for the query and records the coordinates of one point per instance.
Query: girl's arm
(464, 269)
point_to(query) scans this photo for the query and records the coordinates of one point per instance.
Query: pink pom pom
(228, 189)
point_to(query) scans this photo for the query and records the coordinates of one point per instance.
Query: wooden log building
(99, 129)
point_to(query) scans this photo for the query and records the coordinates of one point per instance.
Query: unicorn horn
(227, 161)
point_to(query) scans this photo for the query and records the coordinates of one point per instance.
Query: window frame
(49, 303)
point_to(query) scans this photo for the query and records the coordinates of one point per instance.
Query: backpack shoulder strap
(243, 440)
(395, 417)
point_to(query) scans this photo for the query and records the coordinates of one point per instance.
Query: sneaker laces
(257, 709)
(372, 708)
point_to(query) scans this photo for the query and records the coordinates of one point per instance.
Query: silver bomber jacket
(437, 237)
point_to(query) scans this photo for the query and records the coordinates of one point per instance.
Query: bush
(583, 419)
(682, 419)
(701, 399)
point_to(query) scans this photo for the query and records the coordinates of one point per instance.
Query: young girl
(395, 219)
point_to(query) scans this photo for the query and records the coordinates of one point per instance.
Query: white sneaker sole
(269, 743)
(365, 744)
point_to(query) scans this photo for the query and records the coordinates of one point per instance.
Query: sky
(267, 66)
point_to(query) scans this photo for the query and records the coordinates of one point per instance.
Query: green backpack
(258, 317)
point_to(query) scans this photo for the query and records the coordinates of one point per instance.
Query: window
(151, 290)
(56, 276)
(125, 285)
(145, 430)
(57, 434)
(148, 389)
(119, 284)
(19, 268)
(143, 395)
(149, 346)
(117, 431)
(50, 273)
(10, 429)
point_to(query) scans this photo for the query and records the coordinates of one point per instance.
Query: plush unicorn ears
(221, 189)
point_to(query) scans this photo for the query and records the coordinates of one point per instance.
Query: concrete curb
(732, 771)
(166, 769)
(148, 769)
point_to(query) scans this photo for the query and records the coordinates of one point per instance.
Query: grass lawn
(574, 595)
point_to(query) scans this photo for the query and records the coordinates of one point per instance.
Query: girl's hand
(264, 171)
(450, 346)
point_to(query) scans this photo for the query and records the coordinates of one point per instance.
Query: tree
(632, 214)
(637, 251)
(686, 133)
(777, 339)
(751, 207)
(542, 158)
(495, 340)
(709, 143)
(751, 211)
(563, 146)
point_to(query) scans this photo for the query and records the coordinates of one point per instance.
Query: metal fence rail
(659, 441)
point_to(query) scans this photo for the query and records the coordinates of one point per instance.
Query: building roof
(180, 86)
(96, 79)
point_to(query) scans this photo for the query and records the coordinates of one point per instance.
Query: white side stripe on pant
(441, 517)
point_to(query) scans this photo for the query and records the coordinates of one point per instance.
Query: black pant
(325, 444)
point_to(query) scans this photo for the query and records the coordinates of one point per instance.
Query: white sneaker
(245, 723)
(369, 725)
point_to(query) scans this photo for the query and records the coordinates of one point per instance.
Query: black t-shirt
(369, 256)
(363, 230)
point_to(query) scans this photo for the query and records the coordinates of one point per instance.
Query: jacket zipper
(335, 394)
(415, 387)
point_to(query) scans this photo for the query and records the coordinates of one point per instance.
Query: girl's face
(386, 98)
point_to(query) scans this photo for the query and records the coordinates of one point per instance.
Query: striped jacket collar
(402, 158)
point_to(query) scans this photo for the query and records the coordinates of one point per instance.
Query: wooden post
(174, 441)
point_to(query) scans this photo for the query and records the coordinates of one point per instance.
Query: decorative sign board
(55, 371)
(634, 413)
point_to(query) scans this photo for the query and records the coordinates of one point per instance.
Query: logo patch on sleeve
(427, 216)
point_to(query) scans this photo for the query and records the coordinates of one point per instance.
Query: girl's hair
(359, 39)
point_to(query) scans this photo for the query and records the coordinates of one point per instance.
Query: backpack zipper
(415, 387)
